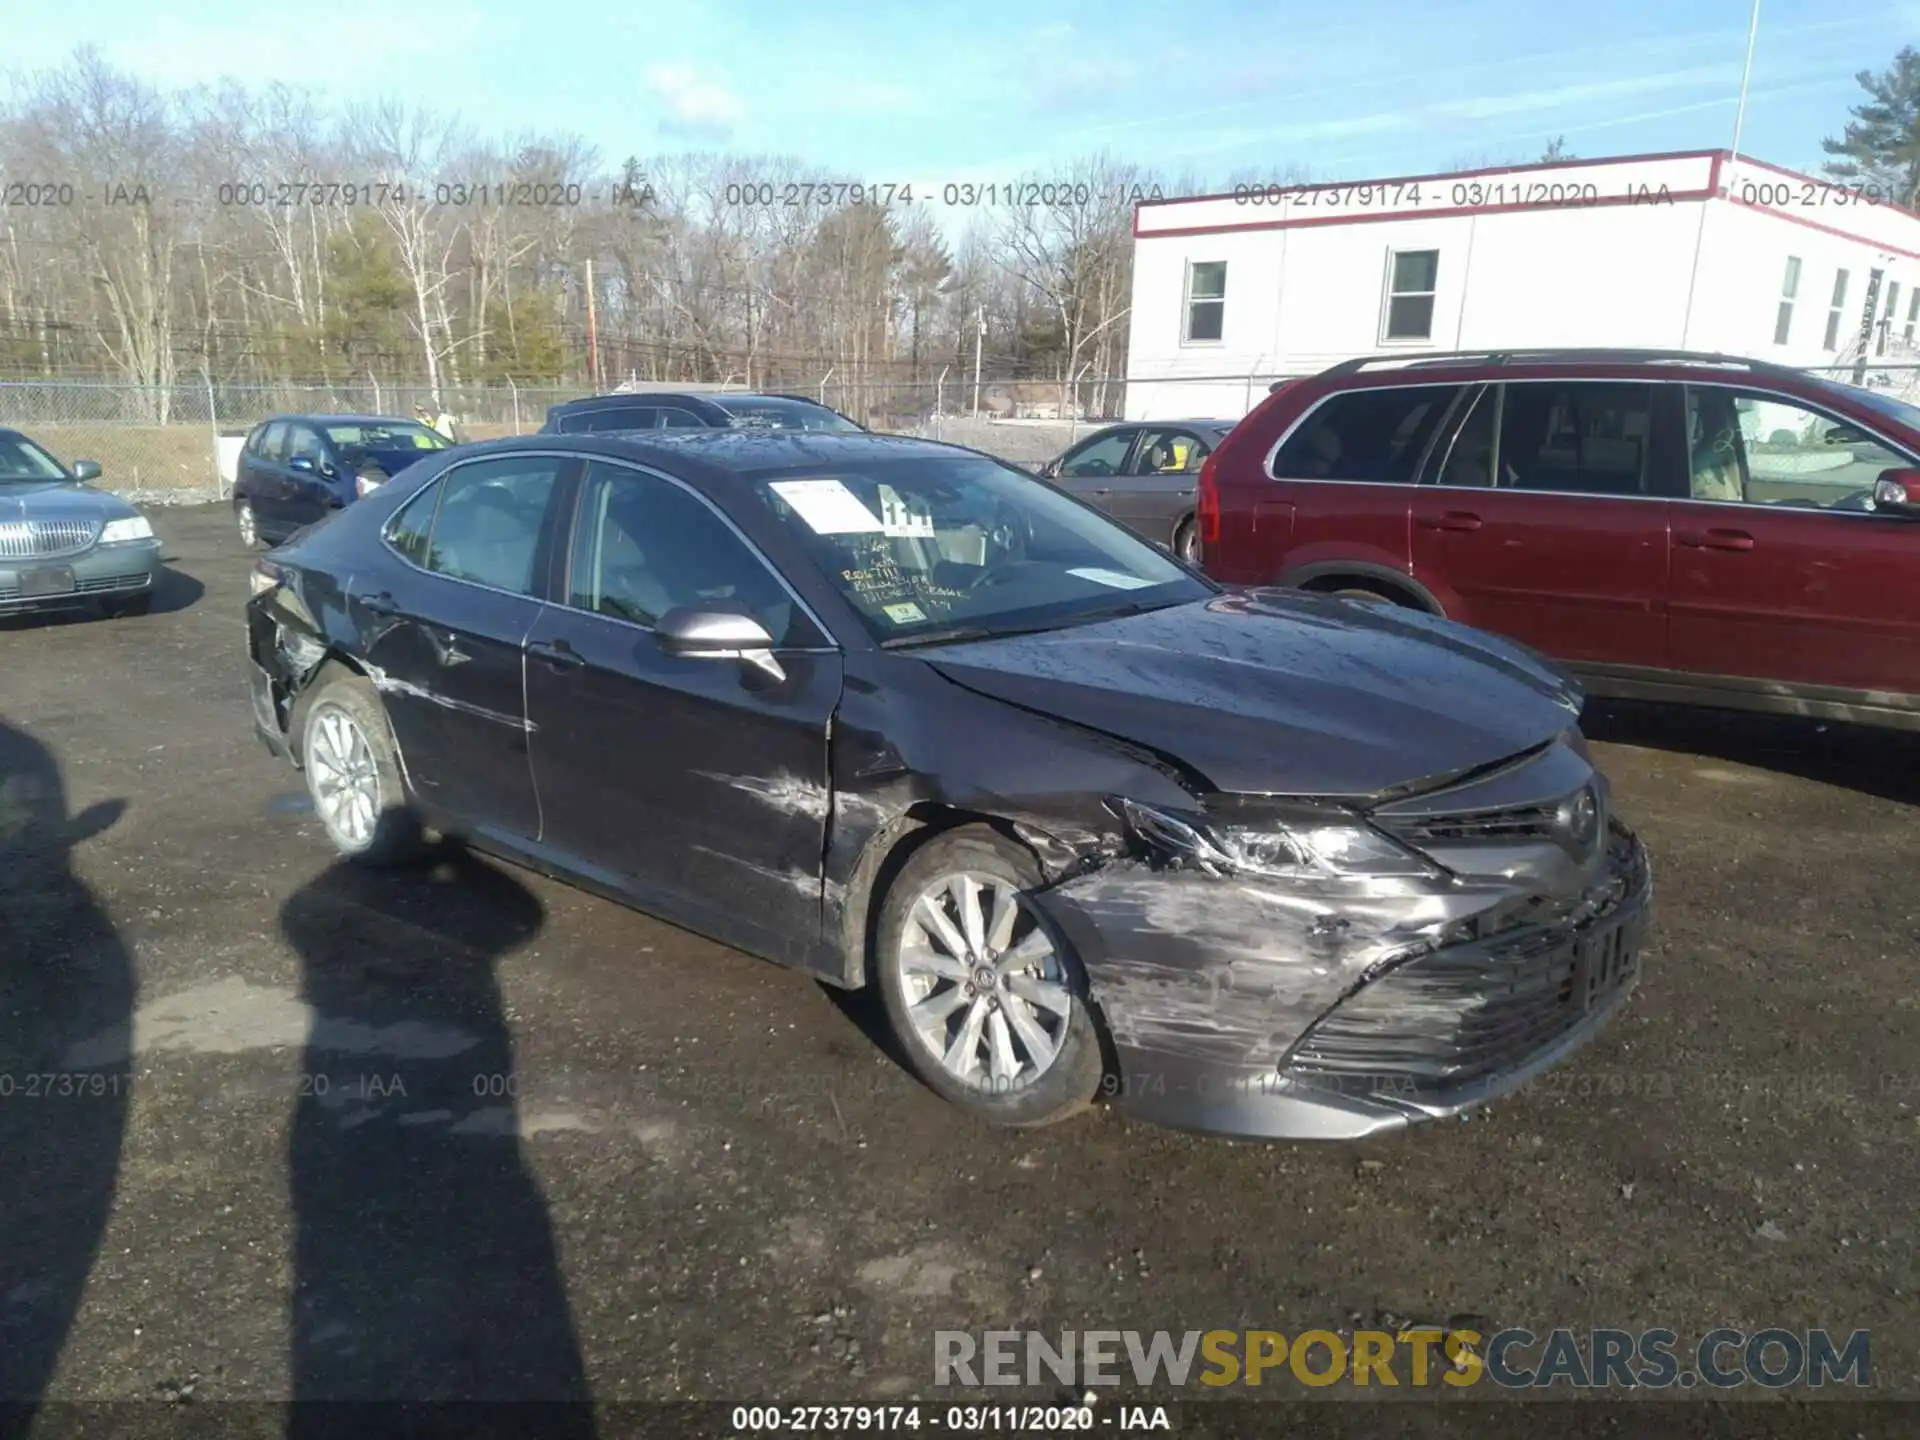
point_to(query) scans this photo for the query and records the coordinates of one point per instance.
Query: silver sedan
(1144, 475)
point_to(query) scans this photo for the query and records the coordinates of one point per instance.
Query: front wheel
(353, 774)
(984, 996)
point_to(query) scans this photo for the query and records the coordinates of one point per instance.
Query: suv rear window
(1369, 435)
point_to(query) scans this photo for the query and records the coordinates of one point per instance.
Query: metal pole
(940, 403)
(593, 334)
(516, 404)
(823, 382)
(213, 424)
(979, 346)
(1746, 74)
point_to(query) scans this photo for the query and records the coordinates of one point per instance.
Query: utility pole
(1746, 74)
(593, 333)
(979, 345)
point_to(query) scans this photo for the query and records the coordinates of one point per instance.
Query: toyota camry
(902, 715)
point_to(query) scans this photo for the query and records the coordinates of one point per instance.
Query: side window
(1469, 458)
(256, 442)
(1102, 455)
(636, 417)
(672, 417)
(273, 445)
(488, 528)
(409, 530)
(1583, 439)
(1757, 449)
(643, 546)
(303, 442)
(1169, 452)
(1376, 435)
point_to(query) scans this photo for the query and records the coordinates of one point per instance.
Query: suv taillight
(1207, 511)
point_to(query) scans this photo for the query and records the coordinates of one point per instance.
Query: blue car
(295, 470)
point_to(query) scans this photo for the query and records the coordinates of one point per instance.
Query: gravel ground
(467, 1132)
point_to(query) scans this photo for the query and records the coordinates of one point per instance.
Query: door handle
(557, 653)
(1452, 520)
(1714, 539)
(380, 603)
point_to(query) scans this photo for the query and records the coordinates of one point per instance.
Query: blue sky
(933, 91)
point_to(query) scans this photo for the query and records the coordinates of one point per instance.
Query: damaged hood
(1281, 692)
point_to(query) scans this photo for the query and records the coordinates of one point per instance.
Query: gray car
(1144, 476)
(63, 543)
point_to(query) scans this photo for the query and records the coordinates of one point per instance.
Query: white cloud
(696, 104)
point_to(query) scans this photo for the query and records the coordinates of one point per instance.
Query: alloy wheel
(986, 993)
(343, 776)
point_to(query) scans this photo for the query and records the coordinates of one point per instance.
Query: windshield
(21, 459)
(937, 547)
(1898, 411)
(785, 415)
(387, 435)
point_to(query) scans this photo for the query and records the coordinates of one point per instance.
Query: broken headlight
(1306, 844)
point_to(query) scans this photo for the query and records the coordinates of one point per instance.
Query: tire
(344, 736)
(249, 525)
(1042, 966)
(134, 605)
(1362, 592)
(1186, 542)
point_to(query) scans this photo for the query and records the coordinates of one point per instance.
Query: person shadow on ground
(66, 986)
(425, 1268)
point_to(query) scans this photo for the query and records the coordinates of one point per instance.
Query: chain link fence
(177, 443)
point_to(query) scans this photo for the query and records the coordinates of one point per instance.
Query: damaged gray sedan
(900, 715)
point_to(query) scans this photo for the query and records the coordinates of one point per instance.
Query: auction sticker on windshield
(906, 613)
(1113, 579)
(828, 507)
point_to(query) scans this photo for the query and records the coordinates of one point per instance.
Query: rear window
(775, 414)
(1366, 435)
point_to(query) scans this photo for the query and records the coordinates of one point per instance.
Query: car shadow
(175, 590)
(65, 977)
(1857, 757)
(425, 1267)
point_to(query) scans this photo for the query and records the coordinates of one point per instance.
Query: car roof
(1441, 367)
(330, 419)
(725, 452)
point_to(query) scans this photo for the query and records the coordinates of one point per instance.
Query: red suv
(1670, 525)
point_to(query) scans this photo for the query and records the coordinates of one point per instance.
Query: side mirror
(1846, 435)
(1897, 492)
(1049, 470)
(85, 470)
(718, 635)
(302, 463)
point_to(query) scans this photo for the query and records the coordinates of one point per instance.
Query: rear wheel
(353, 773)
(1186, 541)
(987, 1000)
(248, 522)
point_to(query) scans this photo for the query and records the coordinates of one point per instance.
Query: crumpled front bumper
(1246, 1009)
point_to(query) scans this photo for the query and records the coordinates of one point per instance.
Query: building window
(1789, 287)
(1886, 323)
(1913, 313)
(1206, 302)
(1412, 278)
(1834, 315)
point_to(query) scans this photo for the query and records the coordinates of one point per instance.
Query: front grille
(1524, 823)
(45, 539)
(1466, 1012)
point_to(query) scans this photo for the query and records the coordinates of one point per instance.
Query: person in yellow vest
(436, 420)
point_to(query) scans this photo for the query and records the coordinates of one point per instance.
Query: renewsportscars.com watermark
(1597, 1359)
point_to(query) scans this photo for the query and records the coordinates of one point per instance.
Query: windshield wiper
(956, 633)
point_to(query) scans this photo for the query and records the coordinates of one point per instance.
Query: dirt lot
(468, 1132)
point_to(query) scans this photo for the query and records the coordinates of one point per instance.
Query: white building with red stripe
(1695, 251)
